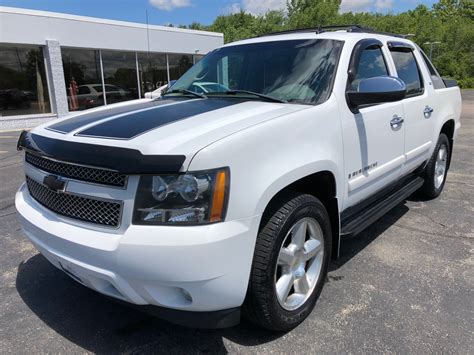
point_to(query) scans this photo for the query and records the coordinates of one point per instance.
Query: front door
(374, 137)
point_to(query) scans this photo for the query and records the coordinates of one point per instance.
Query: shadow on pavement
(97, 324)
(352, 246)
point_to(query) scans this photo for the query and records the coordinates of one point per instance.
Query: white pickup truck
(205, 204)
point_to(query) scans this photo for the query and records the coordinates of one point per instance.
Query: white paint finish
(391, 168)
(266, 146)
(370, 139)
(418, 151)
(144, 256)
(187, 136)
(35, 27)
(268, 156)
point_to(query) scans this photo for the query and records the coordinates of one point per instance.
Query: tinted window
(438, 83)
(408, 71)
(153, 71)
(371, 64)
(81, 68)
(120, 69)
(179, 64)
(23, 83)
(299, 71)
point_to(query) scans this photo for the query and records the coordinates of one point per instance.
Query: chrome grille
(78, 172)
(102, 212)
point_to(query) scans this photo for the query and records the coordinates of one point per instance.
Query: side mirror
(377, 90)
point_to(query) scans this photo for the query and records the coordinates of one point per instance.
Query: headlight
(191, 198)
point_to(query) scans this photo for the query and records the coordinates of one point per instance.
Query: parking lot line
(3, 151)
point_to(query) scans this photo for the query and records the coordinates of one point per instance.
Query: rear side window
(408, 71)
(438, 83)
(371, 64)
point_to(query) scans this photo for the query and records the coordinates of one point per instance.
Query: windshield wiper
(262, 96)
(184, 92)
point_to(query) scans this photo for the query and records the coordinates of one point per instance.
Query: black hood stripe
(137, 123)
(74, 123)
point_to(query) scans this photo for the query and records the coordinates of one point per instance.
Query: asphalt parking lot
(405, 285)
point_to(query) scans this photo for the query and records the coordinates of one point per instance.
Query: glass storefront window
(23, 82)
(83, 78)
(179, 64)
(152, 71)
(120, 75)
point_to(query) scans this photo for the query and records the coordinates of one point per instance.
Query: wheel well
(321, 185)
(448, 130)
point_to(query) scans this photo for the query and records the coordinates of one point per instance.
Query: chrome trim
(124, 187)
(89, 197)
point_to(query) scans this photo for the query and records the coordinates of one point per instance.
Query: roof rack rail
(322, 29)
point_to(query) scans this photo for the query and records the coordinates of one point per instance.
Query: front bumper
(192, 268)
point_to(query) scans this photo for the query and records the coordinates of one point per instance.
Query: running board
(356, 223)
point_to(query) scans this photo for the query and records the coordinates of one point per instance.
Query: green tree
(450, 22)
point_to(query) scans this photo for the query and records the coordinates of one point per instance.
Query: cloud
(261, 7)
(355, 6)
(168, 5)
(233, 8)
(384, 5)
(365, 5)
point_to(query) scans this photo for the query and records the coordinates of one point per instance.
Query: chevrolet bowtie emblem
(54, 183)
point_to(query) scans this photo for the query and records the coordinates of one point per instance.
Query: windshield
(298, 71)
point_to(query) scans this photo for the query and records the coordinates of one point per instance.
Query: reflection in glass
(197, 58)
(408, 71)
(153, 71)
(179, 64)
(23, 83)
(83, 79)
(297, 71)
(120, 75)
(371, 64)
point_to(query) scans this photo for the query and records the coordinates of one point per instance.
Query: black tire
(261, 305)
(430, 189)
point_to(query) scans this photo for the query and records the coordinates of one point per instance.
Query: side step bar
(356, 223)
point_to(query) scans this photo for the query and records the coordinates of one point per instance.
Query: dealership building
(55, 64)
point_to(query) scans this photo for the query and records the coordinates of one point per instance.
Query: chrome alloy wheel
(440, 166)
(299, 263)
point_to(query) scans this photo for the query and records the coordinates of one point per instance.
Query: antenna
(147, 31)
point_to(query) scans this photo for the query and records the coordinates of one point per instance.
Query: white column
(57, 84)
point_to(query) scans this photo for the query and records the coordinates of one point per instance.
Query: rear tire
(437, 169)
(290, 263)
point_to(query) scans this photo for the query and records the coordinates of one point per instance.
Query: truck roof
(344, 33)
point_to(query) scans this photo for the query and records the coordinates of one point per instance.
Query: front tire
(437, 169)
(290, 263)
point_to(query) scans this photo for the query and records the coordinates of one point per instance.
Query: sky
(176, 12)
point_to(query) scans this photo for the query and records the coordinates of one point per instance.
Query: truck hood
(165, 127)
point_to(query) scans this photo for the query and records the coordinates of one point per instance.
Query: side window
(438, 83)
(408, 71)
(371, 64)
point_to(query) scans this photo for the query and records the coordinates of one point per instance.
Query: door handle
(428, 111)
(396, 121)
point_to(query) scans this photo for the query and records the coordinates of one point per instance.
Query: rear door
(373, 144)
(419, 110)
